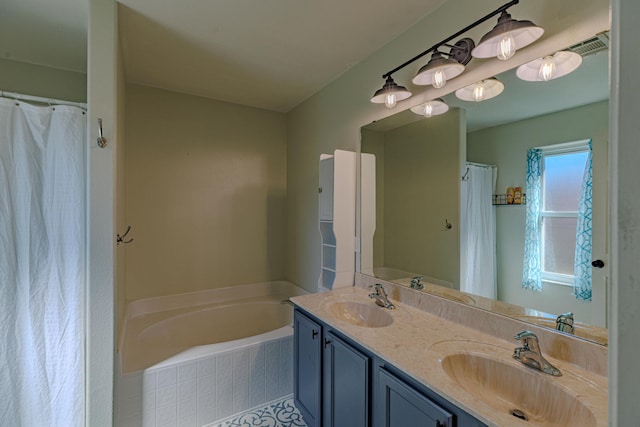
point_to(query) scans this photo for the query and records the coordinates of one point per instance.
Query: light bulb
(478, 92)
(390, 100)
(547, 69)
(506, 47)
(439, 79)
(428, 110)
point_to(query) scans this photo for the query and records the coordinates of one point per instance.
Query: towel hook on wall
(120, 239)
(102, 141)
(465, 177)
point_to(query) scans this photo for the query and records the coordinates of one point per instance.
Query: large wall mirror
(415, 190)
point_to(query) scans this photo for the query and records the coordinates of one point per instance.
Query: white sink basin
(359, 314)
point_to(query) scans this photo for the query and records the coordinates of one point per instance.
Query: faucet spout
(380, 297)
(416, 283)
(564, 322)
(531, 355)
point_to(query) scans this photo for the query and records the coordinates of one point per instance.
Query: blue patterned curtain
(531, 272)
(582, 262)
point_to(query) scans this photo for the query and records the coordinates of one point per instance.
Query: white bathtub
(196, 358)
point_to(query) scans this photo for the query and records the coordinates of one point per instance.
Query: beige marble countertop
(417, 342)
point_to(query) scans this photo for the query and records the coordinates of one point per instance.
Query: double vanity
(422, 360)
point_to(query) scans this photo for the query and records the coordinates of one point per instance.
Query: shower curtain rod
(481, 165)
(49, 101)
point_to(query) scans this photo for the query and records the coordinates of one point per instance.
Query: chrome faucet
(380, 297)
(530, 354)
(564, 322)
(415, 283)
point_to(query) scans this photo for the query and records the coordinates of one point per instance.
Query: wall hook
(102, 141)
(120, 239)
(447, 224)
(465, 177)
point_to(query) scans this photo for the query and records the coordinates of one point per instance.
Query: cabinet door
(307, 368)
(346, 385)
(402, 406)
(325, 199)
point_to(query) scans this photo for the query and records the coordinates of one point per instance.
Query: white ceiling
(45, 32)
(271, 54)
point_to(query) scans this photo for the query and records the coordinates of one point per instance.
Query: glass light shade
(550, 67)
(506, 37)
(481, 91)
(431, 108)
(506, 47)
(437, 71)
(390, 94)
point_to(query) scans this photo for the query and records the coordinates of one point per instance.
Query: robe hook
(102, 141)
(120, 239)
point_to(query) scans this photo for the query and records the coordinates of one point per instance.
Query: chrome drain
(518, 414)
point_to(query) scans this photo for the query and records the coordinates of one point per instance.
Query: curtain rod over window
(39, 99)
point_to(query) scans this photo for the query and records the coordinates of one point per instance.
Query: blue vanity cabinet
(331, 377)
(401, 405)
(307, 368)
(400, 401)
(338, 383)
(346, 384)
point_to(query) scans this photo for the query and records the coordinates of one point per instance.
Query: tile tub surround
(585, 354)
(407, 341)
(207, 389)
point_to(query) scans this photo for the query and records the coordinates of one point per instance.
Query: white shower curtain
(478, 232)
(42, 264)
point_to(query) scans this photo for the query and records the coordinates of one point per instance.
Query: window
(562, 176)
(558, 221)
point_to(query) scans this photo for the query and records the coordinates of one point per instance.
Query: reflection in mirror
(412, 192)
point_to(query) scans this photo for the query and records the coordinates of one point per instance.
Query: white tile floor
(282, 413)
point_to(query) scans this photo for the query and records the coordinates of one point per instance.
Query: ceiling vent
(591, 46)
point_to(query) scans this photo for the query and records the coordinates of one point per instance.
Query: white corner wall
(100, 293)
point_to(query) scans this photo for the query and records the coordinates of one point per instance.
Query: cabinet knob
(314, 334)
(598, 263)
(327, 341)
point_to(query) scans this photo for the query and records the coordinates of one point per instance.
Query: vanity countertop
(417, 342)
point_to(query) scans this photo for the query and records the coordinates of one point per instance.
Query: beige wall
(37, 80)
(332, 117)
(420, 190)
(205, 193)
(506, 147)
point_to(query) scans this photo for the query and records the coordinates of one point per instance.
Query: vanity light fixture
(435, 107)
(439, 69)
(390, 93)
(481, 91)
(506, 37)
(502, 41)
(549, 67)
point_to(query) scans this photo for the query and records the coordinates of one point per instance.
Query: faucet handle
(379, 289)
(526, 337)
